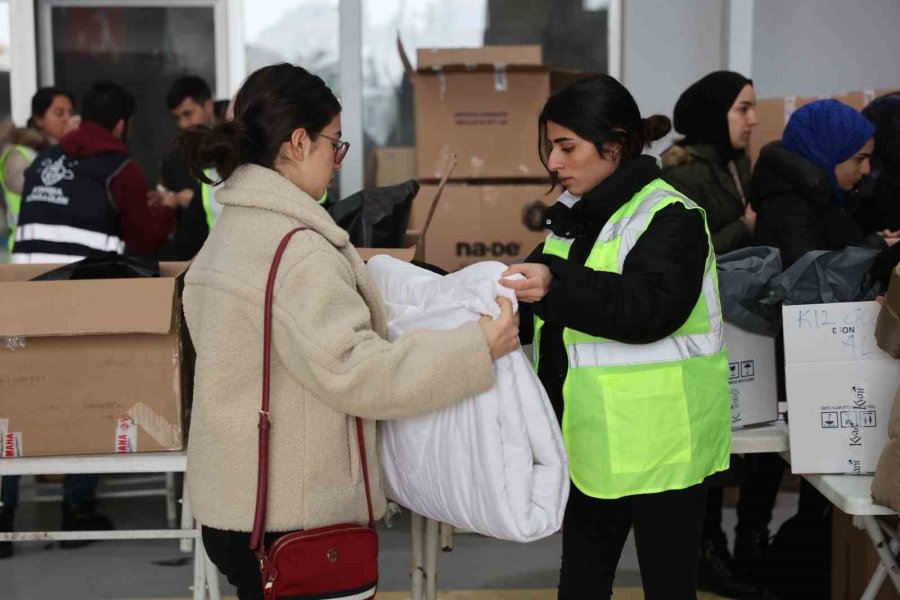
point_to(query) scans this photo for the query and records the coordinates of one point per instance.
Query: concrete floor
(157, 569)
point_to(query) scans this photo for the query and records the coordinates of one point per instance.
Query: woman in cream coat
(331, 361)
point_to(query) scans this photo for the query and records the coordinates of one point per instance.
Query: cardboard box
(887, 328)
(90, 366)
(481, 104)
(840, 387)
(474, 223)
(394, 165)
(753, 377)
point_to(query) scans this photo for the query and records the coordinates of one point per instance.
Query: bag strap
(257, 543)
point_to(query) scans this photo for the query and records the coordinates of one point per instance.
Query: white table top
(850, 493)
(139, 462)
(771, 437)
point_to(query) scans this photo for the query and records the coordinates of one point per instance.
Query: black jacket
(797, 210)
(653, 296)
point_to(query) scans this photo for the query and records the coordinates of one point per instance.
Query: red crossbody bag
(339, 562)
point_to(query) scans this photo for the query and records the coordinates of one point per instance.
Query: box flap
(427, 58)
(89, 307)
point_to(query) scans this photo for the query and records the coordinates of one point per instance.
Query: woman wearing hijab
(799, 186)
(880, 194)
(716, 115)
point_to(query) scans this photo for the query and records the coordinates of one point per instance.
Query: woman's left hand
(535, 285)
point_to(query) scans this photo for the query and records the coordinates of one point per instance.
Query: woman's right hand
(502, 333)
(749, 218)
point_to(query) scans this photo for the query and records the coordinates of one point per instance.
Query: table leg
(199, 586)
(417, 529)
(446, 537)
(171, 500)
(187, 522)
(432, 546)
(885, 554)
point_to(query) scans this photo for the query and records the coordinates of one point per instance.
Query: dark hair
(43, 99)
(107, 103)
(190, 86)
(272, 103)
(601, 110)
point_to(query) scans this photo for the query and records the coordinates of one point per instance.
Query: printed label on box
(12, 445)
(126, 436)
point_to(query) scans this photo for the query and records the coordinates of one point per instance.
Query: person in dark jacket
(879, 209)
(716, 115)
(800, 184)
(87, 195)
(629, 344)
(191, 103)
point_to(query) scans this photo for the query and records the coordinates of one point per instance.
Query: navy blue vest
(67, 211)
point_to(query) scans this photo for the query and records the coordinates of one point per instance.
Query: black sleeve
(660, 282)
(190, 234)
(174, 172)
(526, 312)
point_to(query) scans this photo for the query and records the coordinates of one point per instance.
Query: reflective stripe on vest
(211, 208)
(645, 418)
(66, 234)
(13, 200)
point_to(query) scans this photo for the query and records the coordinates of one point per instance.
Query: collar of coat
(590, 214)
(252, 186)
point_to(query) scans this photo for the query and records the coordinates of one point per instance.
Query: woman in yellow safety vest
(51, 118)
(628, 342)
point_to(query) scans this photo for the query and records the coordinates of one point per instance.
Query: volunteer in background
(86, 194)
(51, 118)
(880, 193)
(717, 115)
(800, 184)
(629, 343)
(191, 104)
(331, 361)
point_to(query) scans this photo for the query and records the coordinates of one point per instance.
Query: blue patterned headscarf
(827, 132)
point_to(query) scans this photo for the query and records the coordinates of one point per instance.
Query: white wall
(825, 47)
(668, 45)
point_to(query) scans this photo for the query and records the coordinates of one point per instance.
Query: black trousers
(667, 530)
(230, 552)
(759, 491)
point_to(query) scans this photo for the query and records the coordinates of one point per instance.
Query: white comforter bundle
(494, 464)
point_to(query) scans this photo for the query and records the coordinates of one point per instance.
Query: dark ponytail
(601, 110)
(272, 103)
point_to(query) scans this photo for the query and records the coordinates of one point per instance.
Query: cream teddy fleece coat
(330, 363)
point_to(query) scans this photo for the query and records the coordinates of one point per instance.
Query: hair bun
(656, 127)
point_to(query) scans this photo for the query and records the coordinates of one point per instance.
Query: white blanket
(494, 464)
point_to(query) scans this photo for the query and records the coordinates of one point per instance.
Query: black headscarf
(884, 113)
(701, 113)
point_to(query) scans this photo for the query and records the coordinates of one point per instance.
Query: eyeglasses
(340, 148)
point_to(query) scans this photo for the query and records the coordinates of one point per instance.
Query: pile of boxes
(482, 105)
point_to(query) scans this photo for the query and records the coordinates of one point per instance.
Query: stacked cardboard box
(481, 105)
(773, 114)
